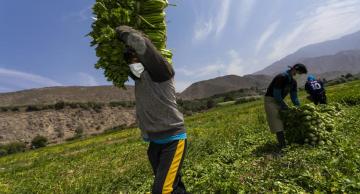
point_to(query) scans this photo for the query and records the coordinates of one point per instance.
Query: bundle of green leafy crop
(311, 124)
(148, 16)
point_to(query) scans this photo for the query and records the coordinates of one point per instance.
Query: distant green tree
(4, 109)
(3, 152)
(59, 105)
(210, 103)
(79, 131)
(74, 105)
(49, 106)
(15, 109)
(84, 106)
(39, 141)
(31, 108)
(229, 98)
(180, 102)
(15, 147)
(349, 75)
(97, 107)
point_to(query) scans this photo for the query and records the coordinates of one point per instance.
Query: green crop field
(230, 151)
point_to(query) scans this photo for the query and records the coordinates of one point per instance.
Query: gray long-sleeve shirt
(156, 107)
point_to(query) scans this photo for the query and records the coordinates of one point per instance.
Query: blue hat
(311, 78)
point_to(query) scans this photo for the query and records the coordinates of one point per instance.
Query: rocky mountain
(224, 84)
(333, 66)
(51, 95)
(344, 61)
(326, 66)
(329, 59)
(327, 48)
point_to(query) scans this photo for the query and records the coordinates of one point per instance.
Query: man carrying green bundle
(279, 88)
(160, 121)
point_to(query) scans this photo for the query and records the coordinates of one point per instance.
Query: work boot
(281, 139)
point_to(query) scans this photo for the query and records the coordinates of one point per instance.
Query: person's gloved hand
(132, 38)
(123, 32)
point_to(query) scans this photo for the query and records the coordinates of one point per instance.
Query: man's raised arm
(158, 67)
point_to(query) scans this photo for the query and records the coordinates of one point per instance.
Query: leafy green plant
(4, 109)
(146, 16)
(246, 99)
(39, 142)
(59, 105)
(3, 152)
(79, 131)
(32, 108)
(15, 109)
(310, 124)
(210, 103)
(74, 105)
(15, 147)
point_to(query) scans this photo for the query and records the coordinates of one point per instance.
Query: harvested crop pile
(148, 16)
(311, 124)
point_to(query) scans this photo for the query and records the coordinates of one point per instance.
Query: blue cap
(311, 78)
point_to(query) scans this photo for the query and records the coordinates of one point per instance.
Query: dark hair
(300, 68)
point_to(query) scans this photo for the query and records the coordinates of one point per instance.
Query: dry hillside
(58, 125)
(51, 95)
(220, 85)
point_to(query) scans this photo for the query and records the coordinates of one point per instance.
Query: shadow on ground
(269, 148)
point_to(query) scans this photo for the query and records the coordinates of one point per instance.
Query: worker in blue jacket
(316, 90)
(283, 84)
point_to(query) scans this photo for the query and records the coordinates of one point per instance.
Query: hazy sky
(43, 43)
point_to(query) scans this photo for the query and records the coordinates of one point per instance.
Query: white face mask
(137, 69)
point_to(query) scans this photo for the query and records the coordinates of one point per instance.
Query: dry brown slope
(224, 84)
(51, 95)
(58, 125)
